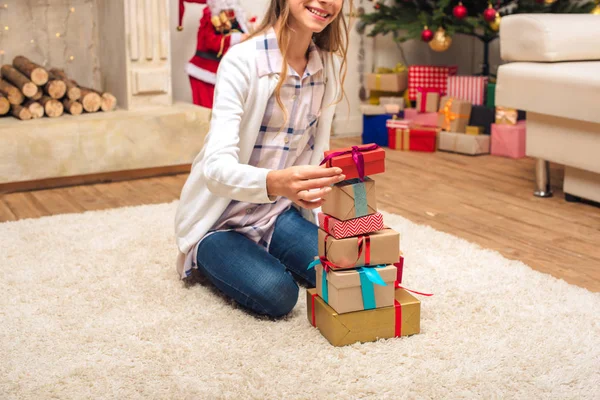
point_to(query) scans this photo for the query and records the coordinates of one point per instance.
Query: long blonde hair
(333, 39)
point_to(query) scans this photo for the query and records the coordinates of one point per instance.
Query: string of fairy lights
(6, 29)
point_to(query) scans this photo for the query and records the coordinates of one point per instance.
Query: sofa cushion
(550, 37)
(568, 90)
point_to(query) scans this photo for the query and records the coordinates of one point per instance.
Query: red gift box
(427, 76)
(352, 227)
(365, 160)
(468, 88)
(415, 138)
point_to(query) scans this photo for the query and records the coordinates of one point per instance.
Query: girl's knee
(280, 298)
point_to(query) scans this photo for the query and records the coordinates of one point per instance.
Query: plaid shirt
(279, 144)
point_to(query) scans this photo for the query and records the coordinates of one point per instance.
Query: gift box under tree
(509, 140)
(468, 88)
(454, 115)
(428, 76)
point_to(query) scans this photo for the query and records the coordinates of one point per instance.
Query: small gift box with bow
(377, 248)
(351, 199)
(428, 100)
(464, 144)
(454, 115)
(509, 140)
(388, 79)
(357, 161)
(364, 288)
(352, 227)
(401, 319)
(505, 115)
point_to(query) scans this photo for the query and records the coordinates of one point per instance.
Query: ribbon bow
(424, 92)
(357, 157)
(449, 115)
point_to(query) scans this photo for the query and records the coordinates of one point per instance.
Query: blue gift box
(374, 129)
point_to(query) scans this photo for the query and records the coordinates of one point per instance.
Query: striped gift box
(428, 76)
(352, 227)
(468, 88)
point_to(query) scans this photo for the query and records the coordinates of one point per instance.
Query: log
(35, 108)
(36, 73)
(73, 107)
(55, 88)
(20, 112)
(53, 107)
(19, 80)
(38, 95)
(13, 94)
(73, 92)
(90, 99)
(109, 102)
(4, 105)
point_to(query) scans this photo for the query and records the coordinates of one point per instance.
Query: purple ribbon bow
(357, 157)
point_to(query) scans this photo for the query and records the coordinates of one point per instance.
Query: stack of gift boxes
(359, 270)
(453, 113)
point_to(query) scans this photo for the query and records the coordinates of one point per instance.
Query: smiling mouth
(318, 12)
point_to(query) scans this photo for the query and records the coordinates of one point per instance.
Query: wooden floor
(486, 200)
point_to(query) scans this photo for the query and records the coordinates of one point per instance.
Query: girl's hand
(304, 185)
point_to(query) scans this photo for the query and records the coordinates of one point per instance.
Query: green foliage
(405, 19)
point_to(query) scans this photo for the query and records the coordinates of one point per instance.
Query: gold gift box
(454, 114)
(507, 116)
(339, 203)
(364, 326)
(344, 253)
(344, 291)
(474, 130)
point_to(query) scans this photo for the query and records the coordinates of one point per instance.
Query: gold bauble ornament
(495, 24)
(548, 2)
(440, 41)
(596, 10)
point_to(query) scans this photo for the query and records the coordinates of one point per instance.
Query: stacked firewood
(28, 91)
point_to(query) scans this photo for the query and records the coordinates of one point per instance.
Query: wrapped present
(474, 130)
(394, 129)
(482, 116)
(428, 100)
(393, 100)
(464, 144)
(369, 109)
(468, 88)
(424, 119)
(410, 114)
(357, 161)
(351, 199)
(359, 289)
(509, 140)
(376, 95)
(505, 115)
(416, 138)
(402, 319)
(374, 130)
(490, 101)
(381, 247)
(394, 82)
(454, 114)
(350, 227)
(393, 109)
(420, 76)
(399, 268)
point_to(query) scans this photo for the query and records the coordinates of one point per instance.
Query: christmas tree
(437, 21)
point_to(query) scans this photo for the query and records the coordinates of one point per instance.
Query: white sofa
(554, 75)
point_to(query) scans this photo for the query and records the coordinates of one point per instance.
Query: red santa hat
(182, 10)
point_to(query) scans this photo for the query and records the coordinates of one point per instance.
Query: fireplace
(120, 46)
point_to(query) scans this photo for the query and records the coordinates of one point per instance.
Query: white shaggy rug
(91, 307)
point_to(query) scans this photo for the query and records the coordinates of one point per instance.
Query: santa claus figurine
(222, 25)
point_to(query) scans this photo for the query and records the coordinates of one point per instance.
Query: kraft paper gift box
(377, 248)
(357, 289)
(468, 88)
(370, 160)
(474, 130)
(402, 319)
(351, 199)
(454, 114)
(352, 227)
(509, 140)
(464, 144)
(428, 100)
(505, 115)
(429, 76)
(395, 82)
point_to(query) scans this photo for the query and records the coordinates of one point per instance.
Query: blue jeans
(262, 280)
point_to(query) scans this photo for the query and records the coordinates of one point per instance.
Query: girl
(243, 218)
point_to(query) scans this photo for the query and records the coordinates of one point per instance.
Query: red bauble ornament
(377, 6)
(459, 11)
(426, 35)
(489, 14)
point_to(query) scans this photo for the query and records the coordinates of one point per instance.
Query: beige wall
(465, 52)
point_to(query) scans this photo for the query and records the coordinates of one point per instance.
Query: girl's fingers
(313, 195)
(319, 172)
(321, 182)
(310, 205)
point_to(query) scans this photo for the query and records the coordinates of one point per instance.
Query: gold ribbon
(450, 116)
(402, 139)
(377, 81)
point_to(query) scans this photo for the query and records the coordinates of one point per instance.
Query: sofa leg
(542, 179)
